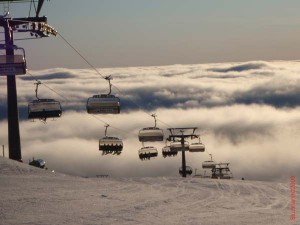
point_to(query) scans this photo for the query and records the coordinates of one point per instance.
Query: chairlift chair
(210, 164)
(197, 147)
(151, 134)
(177, 146)
(188, 170)
(147, 152)
(12, 64)
(104, 103)
(110, 145)
(43, 108)
(166, 151)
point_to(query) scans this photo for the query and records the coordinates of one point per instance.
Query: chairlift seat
(110, 144)
(103, 104)
(151, 134)
(197, 147)
(147, 152)
(177, 146)
(12, 65)
(208, 165)
(166, 151)
(44, 108)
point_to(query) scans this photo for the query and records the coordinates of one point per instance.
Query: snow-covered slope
(33, 196)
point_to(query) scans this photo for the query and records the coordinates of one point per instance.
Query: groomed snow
(34, 196)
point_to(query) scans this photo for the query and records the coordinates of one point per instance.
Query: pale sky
(118, 33)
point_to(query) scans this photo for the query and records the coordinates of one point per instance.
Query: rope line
(95, 69)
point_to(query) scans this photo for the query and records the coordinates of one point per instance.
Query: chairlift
(147, 152)
(197, 147)
(188, 170)
(177, 146)
(210, 164)
(104, 103)
(167, 152)
(43, 108)
(151, 134)
(11, 65)
(110, 145)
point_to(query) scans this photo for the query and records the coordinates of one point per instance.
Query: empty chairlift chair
(43, 108)
(147, 152)
(197, 147)
(210, 164)
(12, 64)
(104, 103)
(177, 146)
(151, 134)
(110, 145)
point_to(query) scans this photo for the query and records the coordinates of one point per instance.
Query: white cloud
(247, 113)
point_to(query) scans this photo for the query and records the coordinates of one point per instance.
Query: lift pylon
(39, 27)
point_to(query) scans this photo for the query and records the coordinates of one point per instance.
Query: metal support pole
(14, 145)
(183, 158)
(3, 151)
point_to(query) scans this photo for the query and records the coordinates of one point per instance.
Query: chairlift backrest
(12, 64)
(208, 164)
(103, 104)
(197, 147)
(44, 108)
(151, 134)
(177, 146)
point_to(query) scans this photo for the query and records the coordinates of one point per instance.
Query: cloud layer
(247, 114)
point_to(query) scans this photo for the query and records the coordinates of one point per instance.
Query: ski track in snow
(33, 196)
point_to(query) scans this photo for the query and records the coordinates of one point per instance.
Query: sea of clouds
(247, 113)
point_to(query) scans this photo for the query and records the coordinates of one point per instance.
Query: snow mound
(33, 196)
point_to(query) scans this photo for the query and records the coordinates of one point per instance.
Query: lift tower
(12, 65)
(181, 134)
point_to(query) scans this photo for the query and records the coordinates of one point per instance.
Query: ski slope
(33, 196)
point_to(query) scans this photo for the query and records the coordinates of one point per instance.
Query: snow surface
(34, 196)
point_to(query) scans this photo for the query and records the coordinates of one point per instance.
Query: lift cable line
(108, 78)
(104, 77)
(195, 146)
